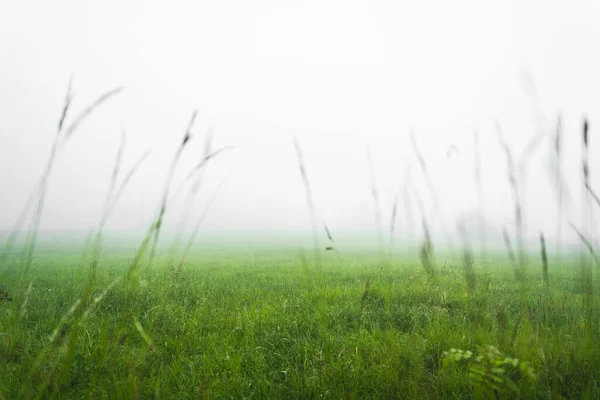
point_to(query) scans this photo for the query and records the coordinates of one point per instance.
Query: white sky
(342, 76)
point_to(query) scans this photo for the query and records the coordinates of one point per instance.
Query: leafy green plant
(491, 371)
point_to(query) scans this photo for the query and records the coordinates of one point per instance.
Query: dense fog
(351, 80)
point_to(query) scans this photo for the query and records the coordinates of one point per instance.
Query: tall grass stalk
(200, 221)
(309, 202)
(156, 227)
(544, 257)
(37, 198)
(586, 214)
(177, 270)
(117, 167)
(509, 249)
(332, 245)
(150, 239)
(514, 185)
(426, 251)
(559, 183)
(111, 201)
(197, 175)
(593, 194)
(426, 246)
(424, 170)
(539, 121)
(587, 243)
(109, 194)
(436, 210)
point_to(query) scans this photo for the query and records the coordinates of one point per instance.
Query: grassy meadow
(266, 324)
(80, 319)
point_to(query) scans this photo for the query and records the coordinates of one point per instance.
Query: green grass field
(272, 324)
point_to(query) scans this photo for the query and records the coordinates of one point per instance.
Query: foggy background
(344, 77)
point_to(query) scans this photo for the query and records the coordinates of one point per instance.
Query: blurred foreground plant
(490, 371)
